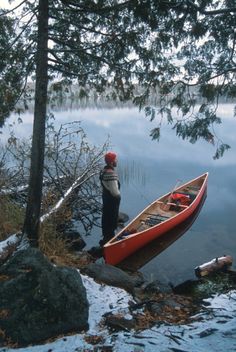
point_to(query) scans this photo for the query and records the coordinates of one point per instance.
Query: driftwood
(217, 264)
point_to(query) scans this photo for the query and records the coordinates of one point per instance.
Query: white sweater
(110, 181)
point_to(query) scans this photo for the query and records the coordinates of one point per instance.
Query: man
(110, 197)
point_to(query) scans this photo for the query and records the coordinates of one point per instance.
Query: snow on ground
(213, 331)
(9, 241)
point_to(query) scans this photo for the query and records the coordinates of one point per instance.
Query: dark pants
(110, 213)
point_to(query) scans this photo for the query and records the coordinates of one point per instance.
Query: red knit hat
(110, 157)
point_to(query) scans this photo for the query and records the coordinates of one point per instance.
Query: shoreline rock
(39, 300)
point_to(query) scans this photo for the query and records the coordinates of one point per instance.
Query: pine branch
(19, 35)
(4, 13)
(212, 12)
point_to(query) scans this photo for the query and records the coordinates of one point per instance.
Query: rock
(119, 323)
(207, 332)
(186, 288)
(204, 287)
(157, 287)
(40, 300)
(156, 308)
(230, 333)
(74, 241)
(96, 252)
(122, 218)
(110, 275)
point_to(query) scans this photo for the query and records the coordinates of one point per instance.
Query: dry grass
(54, 246)
(51, 242)
(11, 217)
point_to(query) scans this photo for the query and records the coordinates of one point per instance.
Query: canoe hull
(116, 250)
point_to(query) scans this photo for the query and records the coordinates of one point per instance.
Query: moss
(215, 284)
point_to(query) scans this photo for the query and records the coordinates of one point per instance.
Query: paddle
(165, 205)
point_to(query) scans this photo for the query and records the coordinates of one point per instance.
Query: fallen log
(216, 264)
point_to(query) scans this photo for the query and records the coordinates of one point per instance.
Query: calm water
(149, 169)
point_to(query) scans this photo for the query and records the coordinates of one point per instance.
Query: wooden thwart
(157, 215)
(177, 205)
(154, 219)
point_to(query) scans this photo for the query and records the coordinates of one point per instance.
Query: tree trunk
(32, 215)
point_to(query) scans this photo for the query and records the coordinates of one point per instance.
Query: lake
(149, 169)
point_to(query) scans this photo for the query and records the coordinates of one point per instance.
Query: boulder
(74, 241)
(39, 300)
(72, 237)
(117, 323)
(122, 218)
(110, 275)
(157, 287)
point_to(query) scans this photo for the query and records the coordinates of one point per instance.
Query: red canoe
(159, 217)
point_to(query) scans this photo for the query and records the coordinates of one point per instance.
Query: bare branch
(78, 183)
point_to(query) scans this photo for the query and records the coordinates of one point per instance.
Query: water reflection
(132, 172)
(149, 169)
(129, 131)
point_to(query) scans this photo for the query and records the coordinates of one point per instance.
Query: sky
(4, 4)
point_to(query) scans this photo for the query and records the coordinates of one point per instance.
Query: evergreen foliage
(183, 51)
(12, 67)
